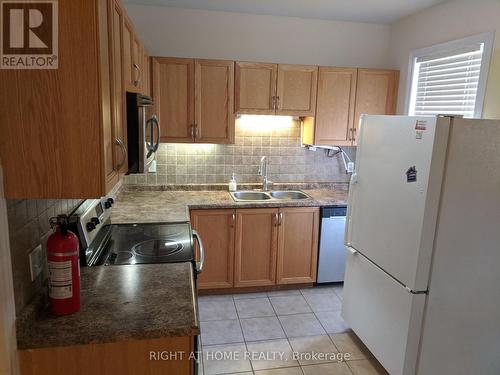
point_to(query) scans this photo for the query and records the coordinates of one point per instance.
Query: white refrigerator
(422, 285)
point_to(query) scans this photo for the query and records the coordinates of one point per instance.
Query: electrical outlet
(36, 262)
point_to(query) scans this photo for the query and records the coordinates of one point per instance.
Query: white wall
(221, 35)
(448, 21)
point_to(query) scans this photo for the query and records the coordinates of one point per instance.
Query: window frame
(486, 38)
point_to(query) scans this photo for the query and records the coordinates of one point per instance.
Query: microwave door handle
(157, 124)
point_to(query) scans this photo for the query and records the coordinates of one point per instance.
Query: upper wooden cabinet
(343, 95)
(146, 69)
(256, 247)
(118, 136)
(334, 109)
(376, 94)
(255, 88)
(296, 90)
(133, 58)
(57, 139)
(173, 93)
(194, 99)
(297, 245)
(216, 228)
(269, 89)
(214, 93)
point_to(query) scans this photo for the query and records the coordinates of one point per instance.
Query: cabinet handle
(119, 142)
(234, 220)
(281, 219)
(196, 133)
(192, 132)
(276, 220)
(349, 132)
(354, 134)
(277, 102)
(138, 80)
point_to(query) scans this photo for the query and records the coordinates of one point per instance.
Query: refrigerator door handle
(347, 234)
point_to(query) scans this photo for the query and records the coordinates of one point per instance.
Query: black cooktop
(145, 243)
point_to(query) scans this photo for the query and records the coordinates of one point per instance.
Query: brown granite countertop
(170, 206)
(118, 303)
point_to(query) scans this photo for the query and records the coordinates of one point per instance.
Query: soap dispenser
(232, 183)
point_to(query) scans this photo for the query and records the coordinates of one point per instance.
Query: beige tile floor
(281, 322)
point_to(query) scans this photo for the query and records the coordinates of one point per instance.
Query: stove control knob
(90, 226)
(95, 220)
(109, 203)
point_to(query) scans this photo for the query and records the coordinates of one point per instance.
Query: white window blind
(448, 81)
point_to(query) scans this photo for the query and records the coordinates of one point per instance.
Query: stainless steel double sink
(250, 196)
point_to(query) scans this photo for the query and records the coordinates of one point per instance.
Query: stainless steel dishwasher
(331, 264)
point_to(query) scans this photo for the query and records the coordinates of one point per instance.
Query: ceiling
(375, 11)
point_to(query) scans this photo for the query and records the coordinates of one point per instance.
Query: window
(450, 78)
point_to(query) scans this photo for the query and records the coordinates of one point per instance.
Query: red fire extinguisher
(64, 268)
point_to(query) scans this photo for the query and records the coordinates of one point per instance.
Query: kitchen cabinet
(194, 99)
(58, 140)
(173, 95)
(296, 90)
(117, 163)
(255, 88)
(217, 229)
(128, 37)
(334, 108)
(343, 95)
(376, 94)
(133, 58)
(214, 93)
(146, 68)
(275, 89)
(256, 247)
(125, 357)
(297, 245)
(253, 247)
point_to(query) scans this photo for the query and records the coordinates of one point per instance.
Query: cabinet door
(298, 245)
(127, 46)
(255, 88)
(335, 106)
(146, 74)
(376, 94)
(296, 90)
(119, 138)
(256, 246)
(216, 229)
(173, 92)
(137, 64)
(214, 93)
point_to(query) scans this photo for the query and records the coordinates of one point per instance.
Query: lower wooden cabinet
(258, 246)
(117, 358)
(297, 245)
(216, 228)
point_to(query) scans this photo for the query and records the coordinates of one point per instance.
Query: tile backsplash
(29, 227)
(207, 163)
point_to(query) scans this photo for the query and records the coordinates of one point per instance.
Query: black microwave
(143, 133)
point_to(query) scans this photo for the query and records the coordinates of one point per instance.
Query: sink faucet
(263, 172)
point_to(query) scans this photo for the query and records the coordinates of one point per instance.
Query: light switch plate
(36, 262)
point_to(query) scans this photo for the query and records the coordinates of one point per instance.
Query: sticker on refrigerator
(411, 174)
(419, 134)
(421, 125)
